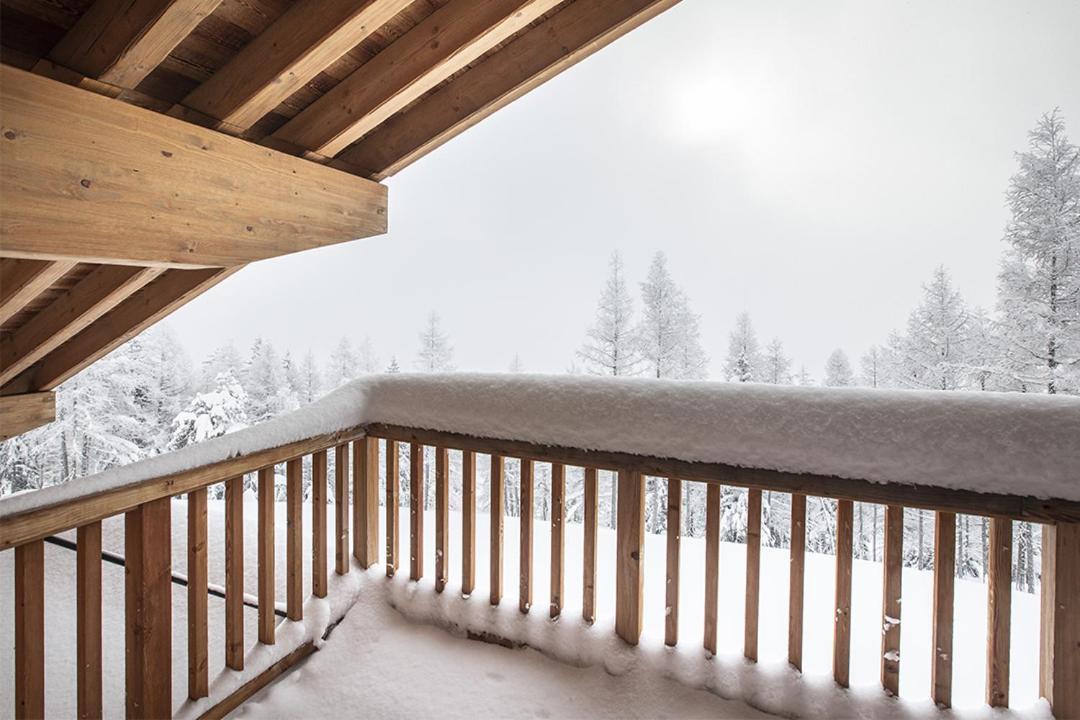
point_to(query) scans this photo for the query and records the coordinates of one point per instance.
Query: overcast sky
(807, 162)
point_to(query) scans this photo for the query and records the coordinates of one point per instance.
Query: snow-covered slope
(987, 442)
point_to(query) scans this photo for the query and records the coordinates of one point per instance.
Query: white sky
(808, 162)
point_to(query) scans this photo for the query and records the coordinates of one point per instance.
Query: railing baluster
(341, 507)
(318, 524)
(890, 598)
(842, 617)
(442, 516)
(712, 564)
(1059, 652)
(796, 576)
(558, 539)
(148, 609)
(366, 500)
(234, 573)
(392, 472)
(267, 545)
(998, 610)
(468, 522)
(416, 511)
(197, 570)
(88, 609)
(294, 543)
(942, 642)
(753, 573)
(629, 555)
(30, 630)
(525, 535)
(588, 591)
(496, 526)
(674, 535)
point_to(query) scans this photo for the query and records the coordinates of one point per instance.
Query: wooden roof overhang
(151, 148)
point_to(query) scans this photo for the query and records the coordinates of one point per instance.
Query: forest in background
(147, 397)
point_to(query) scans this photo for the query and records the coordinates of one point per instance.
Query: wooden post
(1059, 646)
(842, 628)
(525, 536)
(197, 569)
(267, 589)
(294, 543)
(468, 522)
(30, 630)
(998, 612)
(712, 564)
(442, 516)
(392, 480)
(318, 524)
(496, 526)
(341, 508)
(796, 575)
(148, 610)
(234, 573)
(558, 540)
(629, 555)
(588, 600)
(942, 640)
(416, 511)
(88, 609)
(890, 598)
(674, 535)
(366, 500)
(753, 573)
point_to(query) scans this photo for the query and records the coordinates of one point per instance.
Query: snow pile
(987, 442)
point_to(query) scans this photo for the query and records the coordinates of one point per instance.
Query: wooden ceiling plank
(69, 314)
(120, 42)
(23, 280)
(308, 38)
(528, 61)
(443, 43)
(139, 187)
(20, 413)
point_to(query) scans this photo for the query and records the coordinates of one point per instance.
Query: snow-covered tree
(1039, 284)
(393, 367)
(436, 353)
(743, 362)
(611, 346)
(776, 366)
(225, 357)
(264, 382)
(933, 354)
(343, 365)
(668, 335)
(211, 414)
(872, 368)
(310, 388)
(516, 366)
(838, 370)
(802, 378)
(367, 360)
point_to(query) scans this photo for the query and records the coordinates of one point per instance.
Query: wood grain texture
(998, 612)
(712, 565)
(1059, 645)
(891, 592)
(294, 540)
(248, 689)
(148, 610)
(674, 537)
(842, 618)
(318, 524)
(796, 580)
(630, 557)
(88, 620)
(198, 581)
(588, 585)
(941, 662)
(267, 548)
(525, 536)
(495, 548)
(341, 508)
(393, 470)
(468, 522)
(140, 187)
(558, 538)
(234, 573)
(366, 501)
(442, 517)
(30, 630)
(22, 281)
(416, 511)
(753, 574)
(20, 413)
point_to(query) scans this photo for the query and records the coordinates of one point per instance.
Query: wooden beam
(20, 413)
(558, 537)
(318, 524)
(341, 506)
(393, 514)
(892, 584)
(267, 546)
(440, 45)
(442, 517)
(796, 581)
(753, 574)
(468, 522)
(198, 568)
(998, 612)
(88, 620)
(495, 516)
(148, 609)
(23, 280)
(170, 291)
(588, 562)
(30, 630)
(1059, 648)
(842, 616)
(416, 511)
(294, 540)
(630, 557)
(526, 62)
(366, 501)
(122, 41)
(526, 489)
(142, 188)
(674, 536)
(69, 314)
(305, 40)
(234, 573)
(713, 507)
(941, 662)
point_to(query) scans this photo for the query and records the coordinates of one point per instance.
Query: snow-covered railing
(1005, 457)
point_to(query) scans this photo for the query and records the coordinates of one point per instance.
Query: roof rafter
(23, 280)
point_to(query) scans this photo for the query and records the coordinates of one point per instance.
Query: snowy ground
(393, 655)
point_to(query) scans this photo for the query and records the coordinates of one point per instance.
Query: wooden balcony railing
(146, 508)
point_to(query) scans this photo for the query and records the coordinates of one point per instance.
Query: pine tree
(264, 382)
(516, 366)
(934, 353)
(310, 380)
(872, 368)
(1039, 284)
(211, 414)
(435, 354)
(838, 370)
(610, 346)
(367, 360)
(743, 363)
(343, 365)
(803, 379)
(776, 365)
(393, 367)
(668, 335)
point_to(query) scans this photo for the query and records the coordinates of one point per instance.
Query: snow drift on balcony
(1017, 444)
